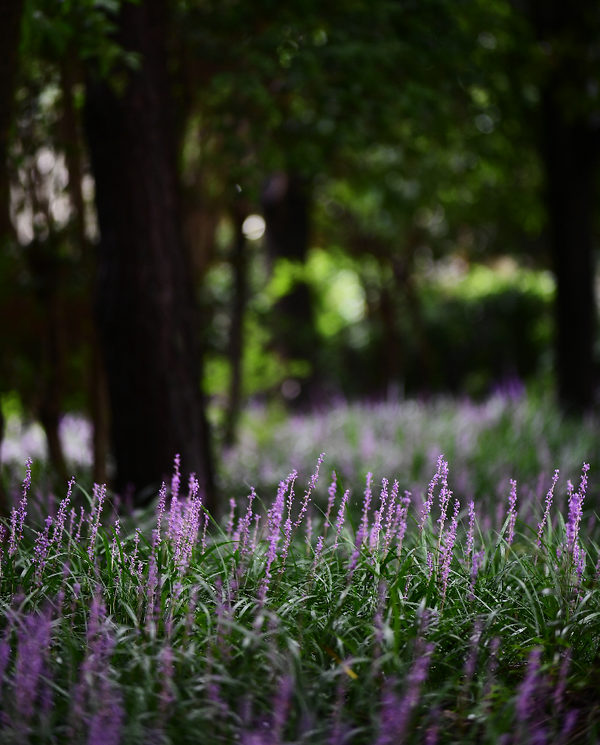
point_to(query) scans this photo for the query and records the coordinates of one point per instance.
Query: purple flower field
(382, 616)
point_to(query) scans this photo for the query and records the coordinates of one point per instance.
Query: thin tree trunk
(146, 309)
(53, 356)
(236, 338)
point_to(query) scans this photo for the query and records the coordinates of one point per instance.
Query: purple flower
(206, 518)
(576, 510)
(174, 521)
(389, 523)
(17, 517)
(339, 524)
(100, 495)
(309, 530)
(569, 725)
(376, 529)
(364, 529)
(166, 675)
(429, 564)
(72, 522)
(396, 712)
(549, 498)
(255, 535)
(114, 551)
(160, 511)
(401, 519)
(81, 519)
(442, 467)
(318, 551)
(444, 497)
(274, 519)
(471, 661)
(561, 683)
(229, 528)
(471, 532)
(244, 526)
(512, 514)
(62, 514)
(33, 642)
(281, 706)
(311, 485)
(96, 701)
(331, 492)
(525, 704)
(478, 557)
(448, 548)
(40, 549)
(176, 478)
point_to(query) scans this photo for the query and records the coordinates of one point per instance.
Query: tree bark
(569, 144)
(236, 336)
(11, 15)
(96, 378)
(285, 204)
(145, 304)
(570, 156)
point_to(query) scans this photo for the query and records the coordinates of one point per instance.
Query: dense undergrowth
(383, 618)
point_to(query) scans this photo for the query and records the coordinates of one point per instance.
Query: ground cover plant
(385, 617)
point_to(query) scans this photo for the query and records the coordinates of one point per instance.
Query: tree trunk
(11, 15)
(571, 154)
(236, 337)
(569, 145)
(146, 310)
(285, 207)
(96, 378)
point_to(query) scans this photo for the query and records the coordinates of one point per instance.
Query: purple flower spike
(512, 514)
(40, 550)
(364, 529)
(160, 511)
(100, 496)
(176, 479)
(274, 520)
(311, 486)
(376, 529)
(61, 516)
(318, 551)
(17, 518)
(576, 511)
(331, 492)
(471, 532)
(448, 548)
(340, 518)
(230, 519)
(549, 498)
(401, 519)
(442, 467)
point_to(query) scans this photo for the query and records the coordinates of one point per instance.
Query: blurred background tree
(215, 203)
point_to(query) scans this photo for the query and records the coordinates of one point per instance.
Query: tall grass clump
(382, 618)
